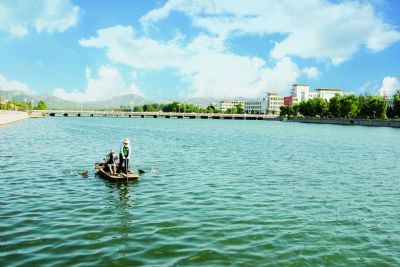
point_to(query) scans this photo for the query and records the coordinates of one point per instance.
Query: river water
(216, 193)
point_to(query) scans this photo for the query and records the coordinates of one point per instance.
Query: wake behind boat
(102, 172)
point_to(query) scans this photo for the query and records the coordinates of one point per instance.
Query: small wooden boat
(103, 172)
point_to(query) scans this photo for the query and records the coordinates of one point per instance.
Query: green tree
(321, 107)
(294, 110)
(289, 111)
(335, 106)
(390, 112)
(372, 107)
(239, 108)
(396, 104)
(211, 109)
(138, 108)
(231, 111)
(172, 107)
(315, 107)
(157, 107)
(305, 108)
(349, 106)
(41, 105)
(284, 111)
(148, 108)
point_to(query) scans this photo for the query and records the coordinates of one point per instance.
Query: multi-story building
(273, 103)
(289, 100)
(255, 106)
(328, 93)
(224, 105)
(302, 92)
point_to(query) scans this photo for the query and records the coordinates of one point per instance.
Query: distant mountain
(202, 101)
(20, 96)
(54, 102)
(117, 101)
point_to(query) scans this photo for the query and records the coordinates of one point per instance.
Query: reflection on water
(120, 195)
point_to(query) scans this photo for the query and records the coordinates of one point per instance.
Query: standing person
(124, 155)
(111, 161)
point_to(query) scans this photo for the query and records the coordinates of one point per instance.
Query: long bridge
(160, 114)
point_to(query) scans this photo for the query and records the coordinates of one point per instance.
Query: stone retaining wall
(375, 123)
(7, 116)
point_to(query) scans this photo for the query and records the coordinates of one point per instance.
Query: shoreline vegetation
(13, 111)
(345, 107)
(364, 110)
(22, 106)
(179, 107)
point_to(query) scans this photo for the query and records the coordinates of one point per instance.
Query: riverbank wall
(361, 122)
(7, 116)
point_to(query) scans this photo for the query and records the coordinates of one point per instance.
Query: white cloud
(315, 29)
(204, 63)
(310, 29)
(17, 16)
(123, 46)
(369, 87)
(311, 72)
(389, 86)
(12, 85)
(109, 83)
(18, 31)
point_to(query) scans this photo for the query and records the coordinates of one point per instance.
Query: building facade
(273, 103)
(255, 106)
(328, 93)
(224, 105)
(302, 92)
(289, 100)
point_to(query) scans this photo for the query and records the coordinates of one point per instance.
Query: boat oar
(126, 169)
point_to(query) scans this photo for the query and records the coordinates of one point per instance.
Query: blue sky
(93, 50)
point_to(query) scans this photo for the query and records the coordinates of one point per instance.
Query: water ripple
(215, 193)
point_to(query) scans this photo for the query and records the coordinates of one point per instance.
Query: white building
(255, 106)
(302, 92)
(328, 93)
(273, 103)
(224, 105)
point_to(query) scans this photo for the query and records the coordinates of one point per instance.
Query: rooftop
(299, 84)
(328, 89)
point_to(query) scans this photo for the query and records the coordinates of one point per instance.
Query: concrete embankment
(7, 116)
(375, 123)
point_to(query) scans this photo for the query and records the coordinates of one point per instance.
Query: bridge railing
(156, 113)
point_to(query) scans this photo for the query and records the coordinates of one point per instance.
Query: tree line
(345, 106)
(179, 107)
(16, 105)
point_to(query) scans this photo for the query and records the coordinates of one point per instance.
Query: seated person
(111, 162)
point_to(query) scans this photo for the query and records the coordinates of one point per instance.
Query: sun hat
(126, 141)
